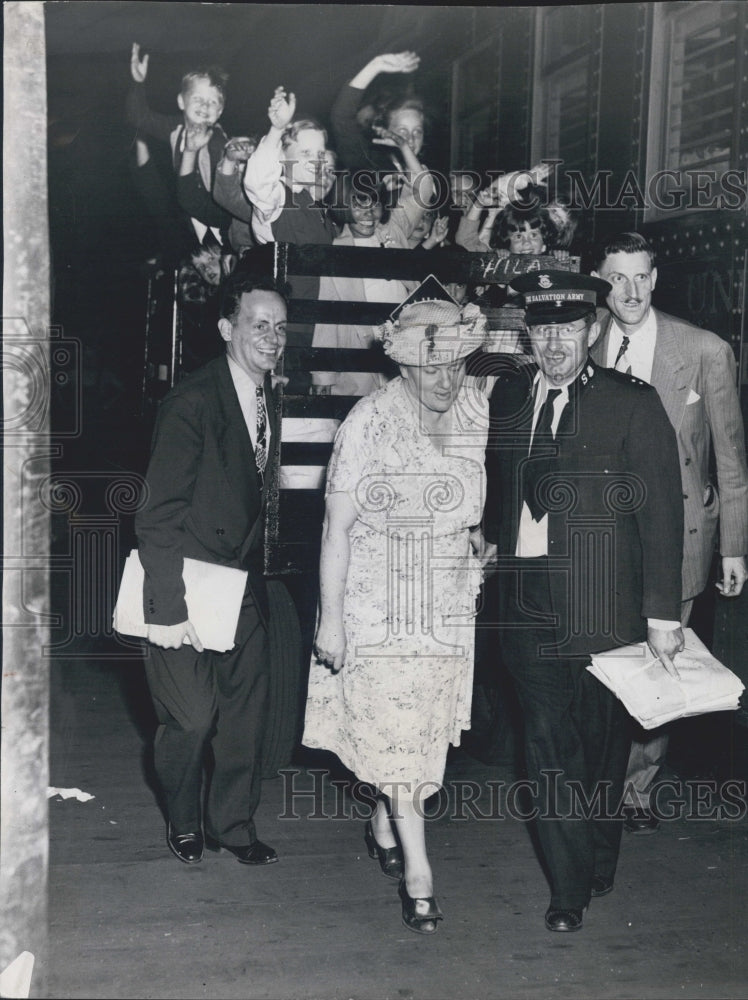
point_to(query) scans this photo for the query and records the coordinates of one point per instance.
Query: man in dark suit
(693, 372)
(584, 507)
(214, 437)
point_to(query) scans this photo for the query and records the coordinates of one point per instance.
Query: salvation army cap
(558, 296)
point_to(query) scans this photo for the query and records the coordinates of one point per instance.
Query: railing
(296, 484)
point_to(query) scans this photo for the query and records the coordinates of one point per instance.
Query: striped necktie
(622, 349)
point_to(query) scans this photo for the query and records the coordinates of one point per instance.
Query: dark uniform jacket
(615, 512)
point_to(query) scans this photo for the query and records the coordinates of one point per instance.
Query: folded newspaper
(653, 696)
(213, 595)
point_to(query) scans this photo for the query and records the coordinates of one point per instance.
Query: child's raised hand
(511, 184)
(282, 108)
(239, 149)
(138, 66)
(440, 229)
(394, 180)
(195, 138)
(398, 62)
(540, 173)
(387, 138)
(487, 197)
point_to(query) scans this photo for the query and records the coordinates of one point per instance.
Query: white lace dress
(405, 691)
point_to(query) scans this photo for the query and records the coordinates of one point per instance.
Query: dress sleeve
(351, 453)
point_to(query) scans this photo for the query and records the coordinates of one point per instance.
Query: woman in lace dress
(391, 685)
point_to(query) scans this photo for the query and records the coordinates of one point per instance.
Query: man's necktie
(622, 350)
(541, 460)
(261, 447)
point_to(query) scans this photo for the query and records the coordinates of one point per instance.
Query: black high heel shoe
(419, 915)
(390, 858)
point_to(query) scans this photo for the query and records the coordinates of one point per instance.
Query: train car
(643, 109)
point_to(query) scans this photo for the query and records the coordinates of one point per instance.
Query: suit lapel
(237, 453)
(272, 407)
(670, 374)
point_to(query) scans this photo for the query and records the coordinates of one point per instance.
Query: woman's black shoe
(419, 915)
(390, 858)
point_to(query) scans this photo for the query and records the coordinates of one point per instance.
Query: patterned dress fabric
(405, 691)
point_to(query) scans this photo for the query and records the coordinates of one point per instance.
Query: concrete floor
(128, 921)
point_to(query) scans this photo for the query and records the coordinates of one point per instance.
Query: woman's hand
(330, 645)
(484, 551)
(282, 108)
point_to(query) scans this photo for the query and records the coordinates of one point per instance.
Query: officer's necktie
(261, 446)
(541, 460)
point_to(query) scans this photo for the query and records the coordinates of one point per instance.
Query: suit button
(692, 531)
(685, 496)
(220, 531)
(687, 461)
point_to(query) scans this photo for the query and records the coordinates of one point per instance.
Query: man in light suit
(583, 507)
(693, 372)
(214, 439)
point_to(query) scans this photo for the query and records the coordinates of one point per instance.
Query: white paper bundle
(213, 595)
(653, 696)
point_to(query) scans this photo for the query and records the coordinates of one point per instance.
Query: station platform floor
(127, 920)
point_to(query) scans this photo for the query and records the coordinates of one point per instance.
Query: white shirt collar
(648, 327)
(640, 351)
(542, 381)
(241, 378)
